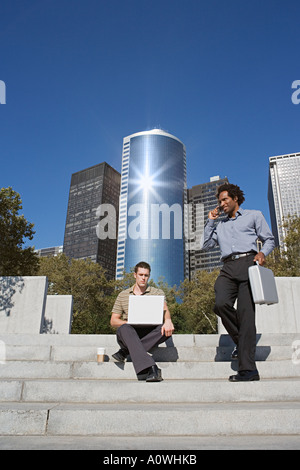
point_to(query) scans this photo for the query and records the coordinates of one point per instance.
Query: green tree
(285, 260)
(198, 298)
(92, 294)
(173, 300)
(15, 260)
(191, 305)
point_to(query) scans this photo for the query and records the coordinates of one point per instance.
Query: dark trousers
(137, 341)
(233, 283)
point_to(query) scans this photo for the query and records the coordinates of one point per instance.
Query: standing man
(237, 237)
(137, 341)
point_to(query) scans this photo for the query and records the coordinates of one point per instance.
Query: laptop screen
(146, 309)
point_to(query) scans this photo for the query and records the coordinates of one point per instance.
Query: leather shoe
(245, 376)
(120, 356)
(154, 374)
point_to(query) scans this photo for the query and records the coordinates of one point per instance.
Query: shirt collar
(146, 291)
(240, 211)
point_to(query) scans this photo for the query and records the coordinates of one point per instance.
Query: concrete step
(132, 391)
(145, 448)
(199, 419)
(189, 340)
(113, 370)
(191, 348)
(51, 385)
(161, 354)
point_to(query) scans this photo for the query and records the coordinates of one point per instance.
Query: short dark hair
(233, 191)
(142, 264)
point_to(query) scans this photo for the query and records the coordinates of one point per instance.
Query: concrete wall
(283, 317)
(22, 303)
(58, 314)
(25, 307)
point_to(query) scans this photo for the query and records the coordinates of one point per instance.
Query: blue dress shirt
(238, 234)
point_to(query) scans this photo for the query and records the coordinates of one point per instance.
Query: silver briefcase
(263, 285)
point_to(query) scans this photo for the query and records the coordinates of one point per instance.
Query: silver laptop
(146, 309)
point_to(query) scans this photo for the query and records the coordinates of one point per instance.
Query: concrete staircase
(51, 385)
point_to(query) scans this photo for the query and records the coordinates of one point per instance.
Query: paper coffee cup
(100, 354)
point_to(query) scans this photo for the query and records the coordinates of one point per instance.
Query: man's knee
(124, 330)
(123, 327)
(218, 308)
(220, 303)
(222, 306)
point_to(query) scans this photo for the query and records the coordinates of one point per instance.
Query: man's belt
(238, 256)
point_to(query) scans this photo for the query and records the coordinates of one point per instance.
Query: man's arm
(209, 237)
(116, 321)
(168, 326)
(265, 235)
(117, 312)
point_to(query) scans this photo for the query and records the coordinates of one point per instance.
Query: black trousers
(233, 283)
(137, 341)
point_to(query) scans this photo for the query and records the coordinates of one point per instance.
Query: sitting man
(137, 341)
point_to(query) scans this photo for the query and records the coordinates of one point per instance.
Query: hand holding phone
(214, 214)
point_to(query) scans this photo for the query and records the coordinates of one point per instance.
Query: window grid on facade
(202, 199)
(283, 191)
(88, 190)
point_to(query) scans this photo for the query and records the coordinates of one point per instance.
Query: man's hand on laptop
(167, 328)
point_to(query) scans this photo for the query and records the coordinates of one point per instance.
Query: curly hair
(233, 191)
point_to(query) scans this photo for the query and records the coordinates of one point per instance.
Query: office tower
(90, 189)
(153, 193)
(202, 199)
(49, 252)
(283, 191)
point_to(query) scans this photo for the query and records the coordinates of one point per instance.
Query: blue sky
(82, 74)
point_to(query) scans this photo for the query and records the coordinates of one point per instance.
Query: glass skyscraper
(283, 191)
(151, 212)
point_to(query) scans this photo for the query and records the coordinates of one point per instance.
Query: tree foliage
(198, 298)
(15, 260)
(285, 260)
(86, 282)
(94, 296)
(191, 304)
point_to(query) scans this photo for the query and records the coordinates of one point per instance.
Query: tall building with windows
(202, 199)
(90, 190)
(49, 252)
(283, 191)
(151, 213)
